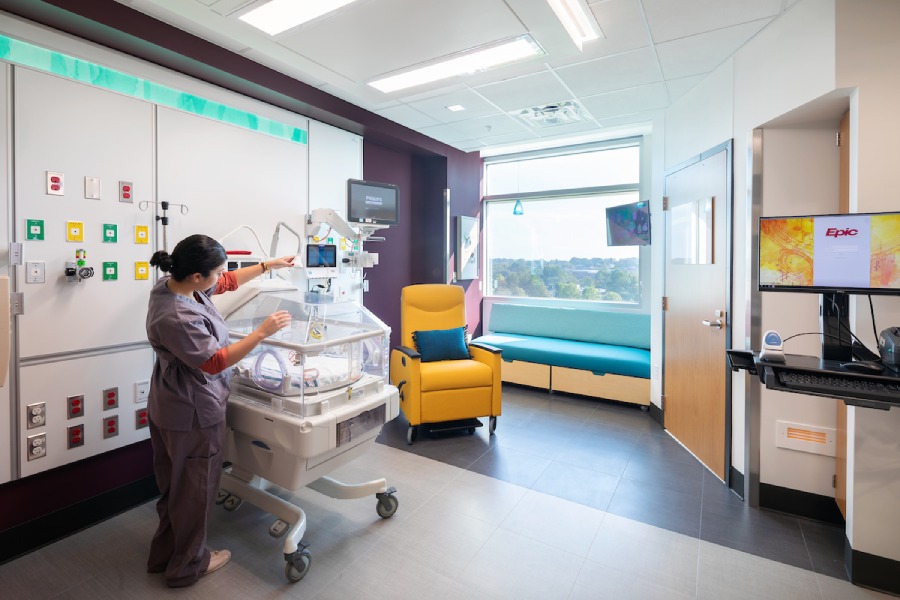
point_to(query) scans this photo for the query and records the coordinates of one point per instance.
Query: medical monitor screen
(371, 202)
(628, 224)
(324, 255)
(855, 253)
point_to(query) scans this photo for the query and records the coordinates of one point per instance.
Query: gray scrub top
(185, 334)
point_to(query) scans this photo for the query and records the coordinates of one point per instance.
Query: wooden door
(696, 314)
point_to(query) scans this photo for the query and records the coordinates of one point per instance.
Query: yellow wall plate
(142, 270)
(141, 234)
(74, 231)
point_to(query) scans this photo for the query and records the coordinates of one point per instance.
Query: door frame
(728, 147)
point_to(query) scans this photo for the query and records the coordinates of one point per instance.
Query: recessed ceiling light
(280, 15)
(456, 107)
(578, 20)
(471, 61)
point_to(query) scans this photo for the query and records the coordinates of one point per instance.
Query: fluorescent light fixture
(456, 107)
(280, 15)
(472, 61)
(577, 19)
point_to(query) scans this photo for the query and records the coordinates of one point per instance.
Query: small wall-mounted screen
(371, 202)
(628, 224)
(324, 255)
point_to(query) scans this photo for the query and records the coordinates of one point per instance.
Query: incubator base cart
(308, 400)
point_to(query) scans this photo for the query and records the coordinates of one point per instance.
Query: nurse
(188, 392)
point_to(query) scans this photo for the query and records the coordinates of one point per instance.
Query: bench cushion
(576, 324)
(588, 356)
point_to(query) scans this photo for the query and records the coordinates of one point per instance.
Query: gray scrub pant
(188, 468)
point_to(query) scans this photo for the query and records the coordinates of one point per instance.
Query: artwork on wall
(467, 236)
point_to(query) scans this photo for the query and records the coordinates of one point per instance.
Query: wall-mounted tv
(372, 202)
(628, 224)
(852, 253)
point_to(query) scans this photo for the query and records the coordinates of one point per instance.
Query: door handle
(717, 323)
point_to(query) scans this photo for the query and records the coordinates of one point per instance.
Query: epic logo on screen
(836, 233)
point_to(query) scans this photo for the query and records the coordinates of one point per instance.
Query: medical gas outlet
(78, 270)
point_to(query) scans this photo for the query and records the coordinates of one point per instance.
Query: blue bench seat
(599, 359)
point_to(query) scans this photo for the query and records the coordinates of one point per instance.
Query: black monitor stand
(837, 344)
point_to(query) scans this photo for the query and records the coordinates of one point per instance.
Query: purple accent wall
(413, 251)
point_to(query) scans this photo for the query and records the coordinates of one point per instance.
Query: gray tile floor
(528, 513)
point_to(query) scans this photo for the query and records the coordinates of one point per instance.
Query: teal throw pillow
(441, 344)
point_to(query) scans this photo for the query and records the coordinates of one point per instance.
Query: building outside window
(546, 225)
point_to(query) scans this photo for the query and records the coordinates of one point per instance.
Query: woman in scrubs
(188, 392)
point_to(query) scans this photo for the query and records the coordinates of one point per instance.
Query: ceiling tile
(407, 116)
(623, 102)
(673, 20)
(444, 133)
(524, 92)
(369, 39)
(679, 87)
(630, 69)
(704, 52)
(475, 106)
(488, 126)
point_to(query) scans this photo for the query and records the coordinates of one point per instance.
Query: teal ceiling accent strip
(42, 59)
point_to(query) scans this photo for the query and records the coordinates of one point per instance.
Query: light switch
(92, 188)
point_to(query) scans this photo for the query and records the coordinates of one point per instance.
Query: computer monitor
(849, 253)
(372, 202)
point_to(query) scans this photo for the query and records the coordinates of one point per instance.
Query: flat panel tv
(628, 224)
(372, 202)
(854, 253)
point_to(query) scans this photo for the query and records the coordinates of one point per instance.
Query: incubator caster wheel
(387, 503)
(297, 566)
(411, 434)
(492, 426)
(645, 408)
(222, 496)
(471, 431)
(232, 503)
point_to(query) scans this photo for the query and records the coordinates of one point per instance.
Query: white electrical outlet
(37, 446)
(36, 415)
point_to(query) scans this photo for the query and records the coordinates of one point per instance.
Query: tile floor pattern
(525, 514)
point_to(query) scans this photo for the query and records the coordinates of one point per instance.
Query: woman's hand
(274, 322)
(280, 263)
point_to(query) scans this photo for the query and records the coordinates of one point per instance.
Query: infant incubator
(307, 400)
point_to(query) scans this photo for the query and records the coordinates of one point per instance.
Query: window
(557, 248)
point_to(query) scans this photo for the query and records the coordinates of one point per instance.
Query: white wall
(801, 176)
(868, 51)
(788, 64)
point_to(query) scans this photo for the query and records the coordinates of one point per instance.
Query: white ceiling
(652, 52)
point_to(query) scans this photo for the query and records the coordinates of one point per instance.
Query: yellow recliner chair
(442, 380)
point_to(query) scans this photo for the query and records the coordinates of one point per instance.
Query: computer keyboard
(841, 385)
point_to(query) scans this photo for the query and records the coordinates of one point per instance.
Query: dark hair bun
(163, 260)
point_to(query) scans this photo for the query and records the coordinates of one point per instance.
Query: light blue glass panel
(42, 59)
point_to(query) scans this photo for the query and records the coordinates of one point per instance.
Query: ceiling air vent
(551, 115)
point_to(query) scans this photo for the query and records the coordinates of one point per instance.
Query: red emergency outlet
(75, 436)
(141, 418)
(75, 406)
(110, 398)
(110, 427)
